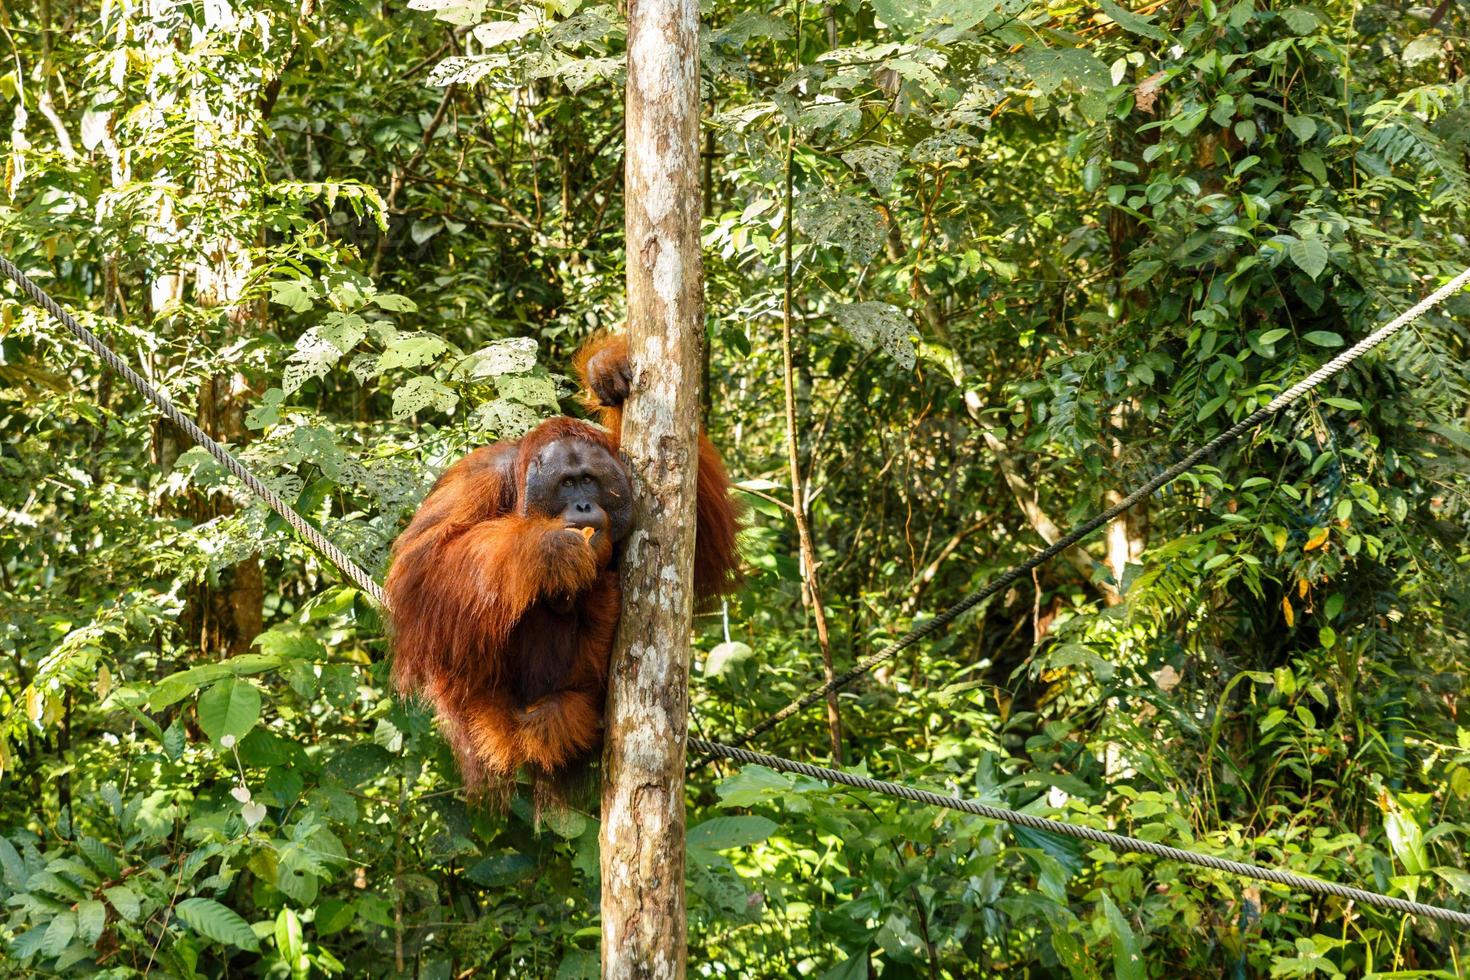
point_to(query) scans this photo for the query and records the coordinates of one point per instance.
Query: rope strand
(713, 750)
(315, 538)
(1083, 530)
(1116, 842)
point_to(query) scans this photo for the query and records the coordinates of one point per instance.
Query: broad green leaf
(724, 656)
(411, 351)
(1404, 836)
(1128, 961)
(296, 295)
(1312, 164)
(752, 784)
(855, 967)
(1133, 23)
(288, 935)
(214, 921)
(334, 915)
(1323, 338)
(722, 833)
(59, 934)
(230, 707)
(14, 868)
(176, 687)
(1303, 126)
(1309, 254)
(125, 901)
(579, 964)
(91, 919)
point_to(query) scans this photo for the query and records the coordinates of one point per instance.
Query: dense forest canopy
(1027, 255)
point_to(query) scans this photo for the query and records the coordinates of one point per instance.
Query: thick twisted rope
(1116, 842)
(227, 459)
(715, 749)
(1083, 530)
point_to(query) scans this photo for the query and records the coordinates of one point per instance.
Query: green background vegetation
(1037, 251)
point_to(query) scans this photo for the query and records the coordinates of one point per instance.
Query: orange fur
(489, 600)
(717, 515)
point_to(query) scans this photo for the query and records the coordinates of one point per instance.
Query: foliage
(1036, 251)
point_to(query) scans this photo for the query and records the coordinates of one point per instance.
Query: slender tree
(643, 917)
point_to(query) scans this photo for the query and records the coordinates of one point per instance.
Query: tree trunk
(643, 918)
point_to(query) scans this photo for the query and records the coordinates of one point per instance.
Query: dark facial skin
(583, 484)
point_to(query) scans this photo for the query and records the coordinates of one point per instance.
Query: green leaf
(1324, 338)
(724, 656)
(125, 901)
(1346, 404)
(1051, 68)
(214, 921)
(334, 915)
(752, 784)
(394, 302)
(1405, 837)
(879, 325)
(1271, 336)
(14, 868)
(289, 937)
(176, 687)
(230, 707)
(411, 351)
(59, 934)
(1312, 164)
(500, 870)
(1457, 879)
(420, 393)
(579, 964)
(91, 920)
(855, 967)
(566, 823)
(1300, 20)
(723, 833)
(295, 294)
(1309, 254)
(1303, 126)
(1133, 23)
(1127, 954)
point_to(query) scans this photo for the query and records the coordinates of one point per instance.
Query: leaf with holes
(879, 325)
(466, 70)
(877, 163)
(420, 393)
(516, 355)
(411, 350)
(847, 222)
(296, 295)
(1051, 68)
(460, 13)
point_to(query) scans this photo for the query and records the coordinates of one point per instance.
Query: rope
(1081, 531)
(712, 750)
(1116, 842)
(335, 555)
